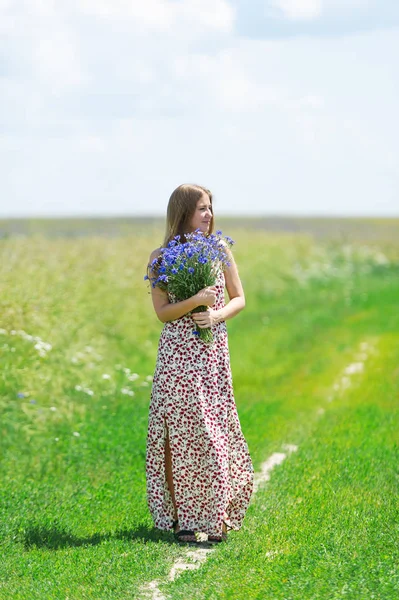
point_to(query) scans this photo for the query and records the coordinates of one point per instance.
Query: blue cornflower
(20, 395)
(146, 277)
(180, 258)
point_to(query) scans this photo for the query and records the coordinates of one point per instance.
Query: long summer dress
(192, 399)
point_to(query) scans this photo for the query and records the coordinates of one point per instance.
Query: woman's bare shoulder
(154, 254)
(226, 246)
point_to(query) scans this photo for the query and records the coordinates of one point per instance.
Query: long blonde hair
(181, 207)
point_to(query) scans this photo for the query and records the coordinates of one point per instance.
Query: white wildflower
(354, 368)
(106, 376)
(381, 259)
(149, 378)
(53, 408)
(133, 377)
(25, 335)
(76, 434)
(78, 388)
(3, 331)
(345, 382)
(127, 392)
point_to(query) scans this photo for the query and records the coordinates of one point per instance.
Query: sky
(283, 107)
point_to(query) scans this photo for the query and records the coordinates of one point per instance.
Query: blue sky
(278, 106)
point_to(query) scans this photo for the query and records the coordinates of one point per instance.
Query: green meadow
(315, 360)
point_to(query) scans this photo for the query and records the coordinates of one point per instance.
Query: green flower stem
(205, 334)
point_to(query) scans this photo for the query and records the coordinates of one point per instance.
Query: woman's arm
(170, 311)
(236, 299)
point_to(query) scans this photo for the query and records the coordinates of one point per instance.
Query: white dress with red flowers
(192, 398)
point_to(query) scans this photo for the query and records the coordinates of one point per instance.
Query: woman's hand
(206, 297)
(206, 319)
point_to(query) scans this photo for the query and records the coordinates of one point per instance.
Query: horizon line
(220, 215)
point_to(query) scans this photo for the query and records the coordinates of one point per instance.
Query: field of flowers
(315, 360)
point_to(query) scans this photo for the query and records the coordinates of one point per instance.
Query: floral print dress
(192, 399)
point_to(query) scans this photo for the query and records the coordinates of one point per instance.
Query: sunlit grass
(78, 339)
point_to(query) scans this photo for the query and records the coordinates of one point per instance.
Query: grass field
(315, 359)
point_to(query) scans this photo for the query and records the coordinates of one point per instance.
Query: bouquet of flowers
(185, 268)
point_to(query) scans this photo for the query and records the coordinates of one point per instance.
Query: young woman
(198, 467)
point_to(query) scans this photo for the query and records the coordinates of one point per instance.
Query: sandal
(222, 537)
(184, 533)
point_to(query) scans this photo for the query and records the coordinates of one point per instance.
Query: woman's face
(202, 216)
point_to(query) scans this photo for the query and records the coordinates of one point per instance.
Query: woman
(199, 471)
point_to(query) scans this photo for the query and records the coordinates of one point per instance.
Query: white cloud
(213, 14)
(340, 14)
(42, 45)
(299, 9)
(163, 15)
(151, 14)
(347, 7)
(229, 86)
(57, 61)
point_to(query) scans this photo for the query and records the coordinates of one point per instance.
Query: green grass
(73, 515)
(326, 526)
